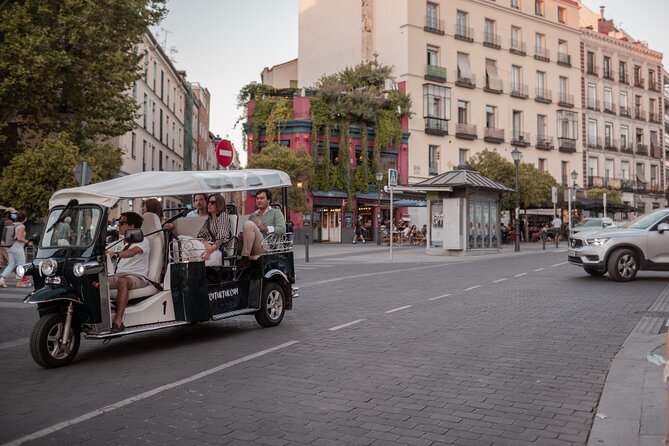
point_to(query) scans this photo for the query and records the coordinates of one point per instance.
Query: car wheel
(272, 305)
(46, 341)
(594, 272)
(623, 265)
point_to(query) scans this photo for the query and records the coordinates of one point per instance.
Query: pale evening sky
(225, 44)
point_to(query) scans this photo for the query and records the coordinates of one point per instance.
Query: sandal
(117, 328)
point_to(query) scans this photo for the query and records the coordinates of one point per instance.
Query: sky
(225, 44)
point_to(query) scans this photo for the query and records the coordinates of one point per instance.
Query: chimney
(601, 11)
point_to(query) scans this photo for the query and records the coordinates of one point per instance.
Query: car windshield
(645, 221)
(594, 222)
(76, 228)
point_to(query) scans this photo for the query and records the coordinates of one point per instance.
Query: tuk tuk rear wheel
(272, 305)
(46, 345)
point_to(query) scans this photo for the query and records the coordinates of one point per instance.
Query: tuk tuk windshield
(77, 227)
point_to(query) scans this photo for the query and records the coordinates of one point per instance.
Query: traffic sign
(554, 194)
(392, 177)
(224, 153)
(83, 173)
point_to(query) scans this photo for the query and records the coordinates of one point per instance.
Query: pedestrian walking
(358, 231)
(17, 254)
(557, 224)
(6, 237)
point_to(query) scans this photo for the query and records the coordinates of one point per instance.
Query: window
(463, 156)
(624, 136)
(562, 14)
(564, 171)
(437, 101)
(146, 65)
(144, 156)
(489, 35)
(539, 7)
(651, 79)
(463, 112)
(564, 89)
(153, 118)
(161, 125)
(490, 116)
(167, 130)
(639, 136)
(622, 75)
(461, 23)
(517, 121)
(146, 110)
(625, 170)
(592, 167)
(433, 162)
(168, 93)
(162, 83)
(133, 146)
(563, 53)
(173, 128)
(516, 78)
(608, 99)
(637, 75)
(542, 165)
(516, 38)
(155, 75)
(153, 157)
(432, 55)
(515, 4)
(160, 160)
(592, 133)
(541, 84)
(566, 124)
(464, 70)
(174, 96)
(492, 80)
(608, 168)
(608, 134)
(432, 13)
(623, 103)
(540, 44)
(607, 68)
(592, 96)
(541, 126)
(590, 63)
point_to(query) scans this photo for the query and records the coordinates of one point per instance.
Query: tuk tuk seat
(156, 257)
(189, 226)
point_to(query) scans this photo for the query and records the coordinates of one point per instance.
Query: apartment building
(665, 82)
(203, 151)
(281, 76)
(481, 74)
(622, 122)
(157, 142)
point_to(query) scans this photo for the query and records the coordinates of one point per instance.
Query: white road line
(520, 275)
(348, 324)
(142, 396)
(399, 309)
(439, 297)
(14, 343)
(471, 288)
(559, 264)
(538, 269)
(500, 280)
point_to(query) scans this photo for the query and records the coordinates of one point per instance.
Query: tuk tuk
(70, 272)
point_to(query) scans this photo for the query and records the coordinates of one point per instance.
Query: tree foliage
(297, 164)
(612, 196)
(534, 186)
(67, 66)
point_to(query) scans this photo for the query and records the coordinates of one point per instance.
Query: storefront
(327, 219)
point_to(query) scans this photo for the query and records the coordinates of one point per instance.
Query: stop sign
(224, 153)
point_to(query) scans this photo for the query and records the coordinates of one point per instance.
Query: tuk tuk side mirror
(134, 235)
(663, 227)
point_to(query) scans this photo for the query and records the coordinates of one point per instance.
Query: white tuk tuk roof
(159, 184)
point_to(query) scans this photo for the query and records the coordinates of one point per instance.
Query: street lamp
(574, 175)
(515, 154)
(379, 177)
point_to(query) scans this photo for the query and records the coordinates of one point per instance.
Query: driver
(132, 267)
(266, 220)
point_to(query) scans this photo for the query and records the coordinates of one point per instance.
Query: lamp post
(379, 177)
(574, 175)
(515, 154)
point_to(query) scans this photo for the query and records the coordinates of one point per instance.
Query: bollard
(306, 248)
(544, 236)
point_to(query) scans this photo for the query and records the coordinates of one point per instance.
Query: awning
(640, 177)
(409, 203)
(491, 68)
(463, 64)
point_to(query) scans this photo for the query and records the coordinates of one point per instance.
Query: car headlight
(82, 269)
(24, 270)
(48, 267)
(597, 241)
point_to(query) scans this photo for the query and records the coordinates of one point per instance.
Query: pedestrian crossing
(12, 297)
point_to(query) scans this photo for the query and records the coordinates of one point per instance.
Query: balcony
(610, 144)
(626, 147)
(520, 139)
(436, 126)
(518, 47)
(465, 131)
(493, 135)
(464, 33)
(641, 149)
(519, 91)
(541, 53)
(494, 86)
(628, 185)
(567, 145)
(653, 85)
(491, 40)
(625, 111)
(654, 117)
(594, 142)
(434, 25)
(610, 108)
(623, 78)
(639, 82)
(566, 100)
(564, 59)
(639, 113)
(593, 104)
(609, 74)
(655, 150)
(544, 142)
(435, 73)
(467, 80)
(592, 70)
(543, 95)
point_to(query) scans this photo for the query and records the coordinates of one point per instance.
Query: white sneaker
(363, 242)
(354, 242)
(2, 283)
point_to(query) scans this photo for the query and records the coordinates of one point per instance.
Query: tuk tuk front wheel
(46, 346)
(272, 305)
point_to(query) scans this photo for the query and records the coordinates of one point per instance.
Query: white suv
(642, 244)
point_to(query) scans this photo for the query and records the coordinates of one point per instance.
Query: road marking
(399, 309)
(559, 264)
(538, 269)
(439, 297)
(142, 396)
(500, 280)
(348, 324)
(14, 343)
(471, 288)
(520, 275)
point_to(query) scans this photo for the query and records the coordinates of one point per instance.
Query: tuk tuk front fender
(278, 276)
(52, 294)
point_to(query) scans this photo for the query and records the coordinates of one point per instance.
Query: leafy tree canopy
(612, 196)
(64, 66)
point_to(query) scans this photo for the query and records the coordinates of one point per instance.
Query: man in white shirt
(200, 204)
(557, 224)
(132, 267)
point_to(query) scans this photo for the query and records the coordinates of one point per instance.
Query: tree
(297, 164)
(612, 196)
(67, 66)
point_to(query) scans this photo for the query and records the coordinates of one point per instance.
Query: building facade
(622, 123)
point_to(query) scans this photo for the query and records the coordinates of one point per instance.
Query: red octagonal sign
(224, 153)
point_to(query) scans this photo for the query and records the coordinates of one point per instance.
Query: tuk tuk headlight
(24, 270)
(82, 269)
(48, 267)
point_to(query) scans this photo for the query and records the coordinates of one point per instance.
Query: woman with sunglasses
(216, 230)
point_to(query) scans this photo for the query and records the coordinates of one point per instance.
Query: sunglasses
(212, 202)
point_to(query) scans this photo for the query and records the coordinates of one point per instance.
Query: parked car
(592, 224)
(642, 244)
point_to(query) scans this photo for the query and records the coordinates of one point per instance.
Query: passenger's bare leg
(121, 299)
